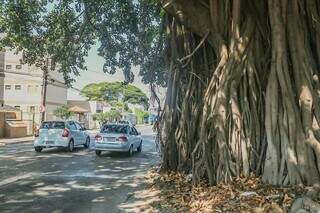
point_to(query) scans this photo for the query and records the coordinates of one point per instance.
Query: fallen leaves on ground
(241, 195)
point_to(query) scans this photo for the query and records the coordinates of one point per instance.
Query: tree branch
(195, 50)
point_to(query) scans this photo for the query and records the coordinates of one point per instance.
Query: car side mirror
(139, 133)
(83, 129)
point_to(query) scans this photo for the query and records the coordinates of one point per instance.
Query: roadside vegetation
(63, 112)
(112, 116)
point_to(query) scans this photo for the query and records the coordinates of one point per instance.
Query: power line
(76, 89)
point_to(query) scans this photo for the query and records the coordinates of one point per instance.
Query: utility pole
(44, 89)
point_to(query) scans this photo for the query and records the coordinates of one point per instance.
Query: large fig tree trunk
(243, 94)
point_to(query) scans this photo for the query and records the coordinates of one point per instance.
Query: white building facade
(21, 87)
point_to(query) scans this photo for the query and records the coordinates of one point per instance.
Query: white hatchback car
(118, 138)
(66, 134)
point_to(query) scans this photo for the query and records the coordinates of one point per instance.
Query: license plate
(109, 139)
(49, 142)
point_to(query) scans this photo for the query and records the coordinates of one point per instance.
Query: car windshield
(118, 129)
(52, 125)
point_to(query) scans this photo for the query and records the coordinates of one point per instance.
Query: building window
(8, 67)
(8, 87)
(18, 67)
(17, 87)
(17, 107)
(32, 109)
(33, 89)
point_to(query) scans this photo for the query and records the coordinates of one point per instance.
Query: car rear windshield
(52, 125)
(120, 129)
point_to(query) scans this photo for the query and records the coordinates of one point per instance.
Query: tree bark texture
(243, 93)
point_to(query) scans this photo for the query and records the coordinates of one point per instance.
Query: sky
(94, 74)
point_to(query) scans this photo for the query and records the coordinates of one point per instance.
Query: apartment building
(1, 77)
(21, 87)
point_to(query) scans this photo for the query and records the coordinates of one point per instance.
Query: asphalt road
(59, 181)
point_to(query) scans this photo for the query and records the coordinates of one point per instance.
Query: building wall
(22, 88)
(1, 76)
(56, 95)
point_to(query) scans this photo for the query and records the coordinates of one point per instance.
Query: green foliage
(126, 107)
(129, 33)
(140, 115)
(99, 117)
(120, 105)
(94, 92)
(49, 28)
(115, 93)
(111, 116)
(63, 112)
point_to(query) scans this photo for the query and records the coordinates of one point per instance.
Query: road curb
(15, 142)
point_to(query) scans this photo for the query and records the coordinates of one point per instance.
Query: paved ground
(58, 181)
(5, 141)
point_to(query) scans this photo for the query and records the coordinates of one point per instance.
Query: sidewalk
(6, 141)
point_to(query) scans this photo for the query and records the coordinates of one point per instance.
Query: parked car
(118, 138)
(66, 134)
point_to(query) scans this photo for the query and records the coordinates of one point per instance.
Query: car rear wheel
(98, 152)
(71, 146)
(130, 152)
(139, 149)
(87, 144)
(38, 149)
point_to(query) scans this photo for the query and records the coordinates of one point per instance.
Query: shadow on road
(59, 181)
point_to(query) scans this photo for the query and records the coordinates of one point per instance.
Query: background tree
(141, 114)
(115, 93)
(100, 118)
(111, 116)
(60, 30)
(63, 112)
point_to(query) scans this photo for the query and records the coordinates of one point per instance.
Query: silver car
(118, 138)
(66, 134)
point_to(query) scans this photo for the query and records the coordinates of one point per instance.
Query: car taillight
(65, 133)
(36, 133)
(122, 139)
(98, 138)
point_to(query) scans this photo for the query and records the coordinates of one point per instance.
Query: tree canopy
(63, 112)
(115, 92)
(128, 33)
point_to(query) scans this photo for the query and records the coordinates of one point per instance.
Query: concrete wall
(11, 125)
(13, 115)
(15, 130)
